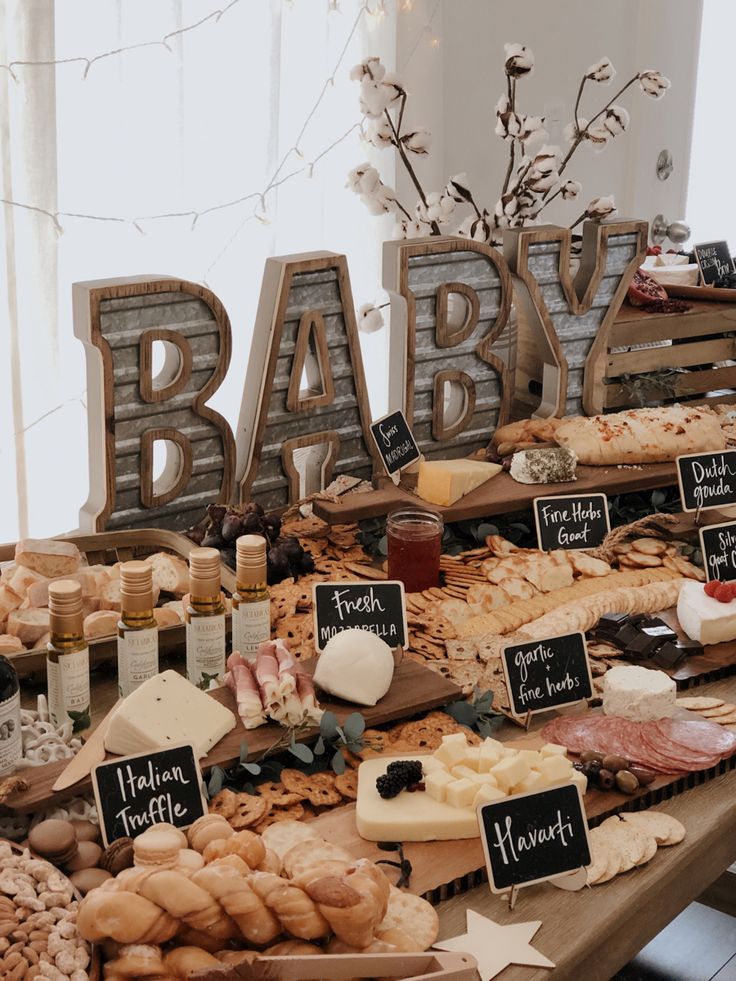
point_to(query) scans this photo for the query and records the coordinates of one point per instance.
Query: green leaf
(382, 546)
(483, 703)
(217, 778)
(462, 712)
(354, 726)
(328, 725)
(302, 752)
(338, 762)
(243, 751)
(252, 768)
(484, 530)
(658, 498)
(319, 747)
(81, 720)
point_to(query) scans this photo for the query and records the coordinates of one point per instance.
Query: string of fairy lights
(374, 12)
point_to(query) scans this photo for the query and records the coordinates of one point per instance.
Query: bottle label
(205, 649)
(11, 742)
(137, 658)
(68, 681)
(251, 626)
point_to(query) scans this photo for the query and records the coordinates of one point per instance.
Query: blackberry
(398, 776)
(412, 769)
(390, 785)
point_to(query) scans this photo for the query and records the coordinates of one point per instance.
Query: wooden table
(593, 933)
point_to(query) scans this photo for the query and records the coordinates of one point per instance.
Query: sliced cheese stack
(457, 779)
(167, 710)
(446, 481)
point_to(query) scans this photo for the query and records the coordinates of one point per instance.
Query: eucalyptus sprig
(476, 713)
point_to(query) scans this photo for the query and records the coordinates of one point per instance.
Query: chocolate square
(669, 655)
(610, 623)
(625, 636)
(642, 646)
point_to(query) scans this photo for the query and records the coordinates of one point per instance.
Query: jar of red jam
(414, 546)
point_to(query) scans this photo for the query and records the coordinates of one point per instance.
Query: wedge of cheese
(164, 711)
(446, 481)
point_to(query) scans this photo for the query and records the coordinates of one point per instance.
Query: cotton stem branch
(410, 170)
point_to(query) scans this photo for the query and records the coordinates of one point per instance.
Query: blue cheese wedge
(165, 711)
(553, 465)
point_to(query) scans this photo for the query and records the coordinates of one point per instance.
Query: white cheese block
(544, 466)
(446, 481)
(164, 711)
(703, 618)
(355, 665)
(637, 694)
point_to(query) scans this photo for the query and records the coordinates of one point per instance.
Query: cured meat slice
(572, 732)
(701, 738)
(635, 750)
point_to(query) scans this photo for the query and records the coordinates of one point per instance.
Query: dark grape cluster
(225, 523)
(726, 282)
(400, 775)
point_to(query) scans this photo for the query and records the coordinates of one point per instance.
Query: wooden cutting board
(414, 689)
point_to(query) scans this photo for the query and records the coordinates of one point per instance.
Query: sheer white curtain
(152, 131)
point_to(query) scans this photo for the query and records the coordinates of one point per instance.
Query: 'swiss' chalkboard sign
(532, 837)
(707, 480)
(546, 674)
(571, 521)
(376, 606)
(135, 792)
(718, 545)
(714, 260)
(395, 443)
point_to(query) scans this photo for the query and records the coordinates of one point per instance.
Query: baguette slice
(28, 625)
(167, 617)
(48, 556)
(10, 644)
(22, 580)
(8, 571)
(9, 601)
(110, 598)
(102, 623)
(170, 573)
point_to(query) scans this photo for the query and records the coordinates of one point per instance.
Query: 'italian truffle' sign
(377, 606)
(395, 443)
(529, 838)
(707, 480)
(718, 545)
(571, 521)
(547, 674)
(135, 792)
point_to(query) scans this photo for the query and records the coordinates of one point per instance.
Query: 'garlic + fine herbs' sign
(377, 606)
(135, 792)
(533, 837)
(547, 674)
(571, 521)
(707, 480)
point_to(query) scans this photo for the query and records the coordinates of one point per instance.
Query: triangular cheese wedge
(446, 481)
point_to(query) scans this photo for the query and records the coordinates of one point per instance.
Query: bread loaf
(28, 625)
(167, 617)
(10, 644)
(103, 623)
(641, 435)
(48, 556)
(170, 574)
(23, 578)
(9, 601)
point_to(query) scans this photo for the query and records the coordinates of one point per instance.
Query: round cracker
(414, 916)
(347, 784)
(642, 560)
(725, 720)
(649, 546)
(698, 703)
(665, 829)
(599, 864)
(284, 835)
(713, 713)
(249, 810)
(307, 854)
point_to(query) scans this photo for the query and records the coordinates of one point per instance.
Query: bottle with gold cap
(137, 629)
(205, 618)
(67, 657)
(251, 602)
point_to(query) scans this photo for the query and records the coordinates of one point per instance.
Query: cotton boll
(355, 665)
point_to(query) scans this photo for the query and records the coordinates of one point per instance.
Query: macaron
(118, 856)
(86, 879)
(158, 847)
(88, 856)
(54, 840)
(208, 828)
(86, 830)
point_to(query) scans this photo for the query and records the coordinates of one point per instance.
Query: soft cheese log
(641, 435)
(703, 618)
(638, 694)
(445, 481)
(165, 711)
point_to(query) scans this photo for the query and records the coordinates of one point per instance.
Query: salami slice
(572, 732)
(701, 738)
(637, 751)
(664, 754)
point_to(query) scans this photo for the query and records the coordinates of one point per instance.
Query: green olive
(591, 756)
(626, 782)
(615, 763)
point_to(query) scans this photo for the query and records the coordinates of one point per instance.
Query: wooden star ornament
(495, 946)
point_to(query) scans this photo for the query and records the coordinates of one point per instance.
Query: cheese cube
(532, 781)
(436, 784)
(451, 754)
(531, 756)
(490, 754)
(487, 795)
(553, 749)
(455, 737)
(484, 778)
(510, 771)
(461, 793)
(472, 757)
(430, 764)
(446, 481)
(463, 771)
(580, 779)
(556, 769)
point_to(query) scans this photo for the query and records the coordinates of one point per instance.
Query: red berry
(724, 594)
(710, 587)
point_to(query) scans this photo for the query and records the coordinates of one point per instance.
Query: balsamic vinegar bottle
(205, 618)
(11, 744)
(137, 629)
(67, 657)
(251, 602)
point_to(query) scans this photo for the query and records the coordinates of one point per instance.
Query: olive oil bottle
(67, 657)
(251, 602)
(137, 629)
(205, 618)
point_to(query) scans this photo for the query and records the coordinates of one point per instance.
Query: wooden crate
(701, 340)
(430, 966)
(106, 548)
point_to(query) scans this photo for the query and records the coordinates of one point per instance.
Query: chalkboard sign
(529, 838)
(707, 480)
(376, 606)
(571, 521)
(718, 545)
(546, 674)
(714, 260)
(135, 792)
(395, 443)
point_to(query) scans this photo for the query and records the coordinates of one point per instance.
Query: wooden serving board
(444, 868)
(716, 661)
(414, 689)
(500, 495)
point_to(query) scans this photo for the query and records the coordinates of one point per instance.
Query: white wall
(455, 88)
